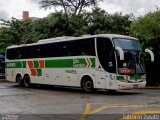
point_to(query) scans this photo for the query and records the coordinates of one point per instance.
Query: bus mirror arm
(151, 54)
(121, 53)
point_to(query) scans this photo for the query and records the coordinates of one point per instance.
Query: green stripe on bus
(24, 64)
(120, 77)
(131, 77)
(20, 64)
(58, 63)
(136, 77)
(93, 62)
(61, 63)
(39, 72)
(68, 63)
(36, 64)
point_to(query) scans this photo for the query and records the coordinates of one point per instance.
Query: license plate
(135, 86)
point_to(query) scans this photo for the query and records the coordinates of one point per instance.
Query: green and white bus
(104, 61)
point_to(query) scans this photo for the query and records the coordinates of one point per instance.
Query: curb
(3, 81)
(154, 88)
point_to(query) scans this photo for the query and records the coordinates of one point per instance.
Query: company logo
(11, 65)
(85, 63)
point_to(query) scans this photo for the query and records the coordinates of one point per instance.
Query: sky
(14, 8)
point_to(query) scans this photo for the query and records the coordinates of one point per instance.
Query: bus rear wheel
(87, 84)
(19, 80)
(27, 82)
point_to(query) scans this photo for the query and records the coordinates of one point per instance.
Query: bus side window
(62, 49)
(24, 52)
(55, 50)
(11, 53)
(83, 47)
(36, 51)
(41, 52)
(32, 52)
(87, 47)
(73, 48)
(18, 54)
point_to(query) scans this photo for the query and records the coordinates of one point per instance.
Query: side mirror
(121, 53)
(151, 54)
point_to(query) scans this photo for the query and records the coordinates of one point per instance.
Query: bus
(2, 66)
(103, 61)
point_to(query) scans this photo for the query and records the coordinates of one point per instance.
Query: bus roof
(70, 38)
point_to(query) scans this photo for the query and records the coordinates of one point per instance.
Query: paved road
(48, 102)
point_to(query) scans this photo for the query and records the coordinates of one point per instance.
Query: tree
(147, 29)
(8, 37)
(58, 24)
(77, 25)
(19, 27)
(99, 22)
(10, 33)
(74, 7)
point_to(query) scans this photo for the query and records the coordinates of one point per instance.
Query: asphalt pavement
(58, 103)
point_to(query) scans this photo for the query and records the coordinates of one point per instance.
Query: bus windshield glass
(133, 62)
(127, 43)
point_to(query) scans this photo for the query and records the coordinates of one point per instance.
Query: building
(26, 16)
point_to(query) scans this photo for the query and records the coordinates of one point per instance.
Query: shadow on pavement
(79, 90)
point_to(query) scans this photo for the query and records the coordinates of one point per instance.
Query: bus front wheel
(87, 84)
(27, 82)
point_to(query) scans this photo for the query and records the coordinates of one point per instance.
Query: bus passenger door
(106, 58)
(111, 71)
(110, 81)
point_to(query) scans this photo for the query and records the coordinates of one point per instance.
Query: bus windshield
(133, 62)
(127, 43)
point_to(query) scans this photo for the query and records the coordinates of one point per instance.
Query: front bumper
(124, 85)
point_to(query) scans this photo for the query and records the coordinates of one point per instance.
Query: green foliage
(77, 25)
(59, 24)
(147, 29)
(102, 22)
(7, 37)
(11, 34)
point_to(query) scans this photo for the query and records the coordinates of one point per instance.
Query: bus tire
(27, 81)
(87, 84)
(19, 80)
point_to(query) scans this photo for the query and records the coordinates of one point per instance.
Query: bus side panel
(9, 74)
(100, 76)
(70, 76)
(60, 71)
(53, 76)
(86, 72)
(61, 76)
(37, 80)
(36, 73)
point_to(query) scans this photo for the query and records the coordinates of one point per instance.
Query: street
(49, 102)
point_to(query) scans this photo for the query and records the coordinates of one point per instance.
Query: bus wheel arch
(87, 83)
(19, 80)
(27, 80)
